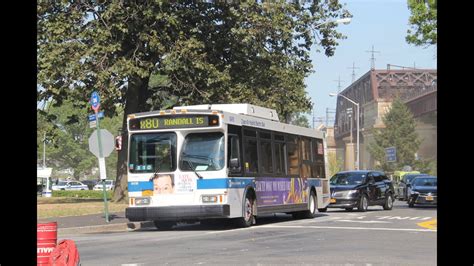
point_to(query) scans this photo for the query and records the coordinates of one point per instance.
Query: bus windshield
(202, 152)
(152, 152)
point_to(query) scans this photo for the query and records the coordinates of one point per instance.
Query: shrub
(89, 194)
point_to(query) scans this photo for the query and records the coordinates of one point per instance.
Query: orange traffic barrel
(47, 235)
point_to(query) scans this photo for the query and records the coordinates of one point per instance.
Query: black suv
(361, 189)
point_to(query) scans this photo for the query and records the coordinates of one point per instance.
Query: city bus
(222, 161)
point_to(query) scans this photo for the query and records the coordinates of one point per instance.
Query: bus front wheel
(163, 225)
(248, 219)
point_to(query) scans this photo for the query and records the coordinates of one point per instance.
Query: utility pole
(328, 111)
(372, 59)
(349, 115)
(44, 150)
(353, 72)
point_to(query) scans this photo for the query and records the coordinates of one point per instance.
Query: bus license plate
(332, 201)
(430, 198)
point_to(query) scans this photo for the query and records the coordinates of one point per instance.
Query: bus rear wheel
(311, 213)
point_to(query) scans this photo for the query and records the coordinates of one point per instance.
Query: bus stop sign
(95, 101)
(107, 140)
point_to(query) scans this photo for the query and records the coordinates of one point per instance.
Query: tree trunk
(134, 102)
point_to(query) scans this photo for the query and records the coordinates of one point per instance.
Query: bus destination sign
(166, 122)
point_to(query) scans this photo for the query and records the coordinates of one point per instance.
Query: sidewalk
(95, 223)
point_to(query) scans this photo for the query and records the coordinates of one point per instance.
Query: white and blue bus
(227, 161)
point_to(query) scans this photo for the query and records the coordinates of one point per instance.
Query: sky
(382, 24)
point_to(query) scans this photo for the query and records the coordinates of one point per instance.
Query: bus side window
(250, 151)
(250, 156)
(234, 154)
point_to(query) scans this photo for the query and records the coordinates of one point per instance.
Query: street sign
(391, 154)
(108, 143)
(92, 117)
(95, 101)
(93, 124)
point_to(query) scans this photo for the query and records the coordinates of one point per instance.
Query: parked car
(424, 190)
(109, 185)
(69, 185)
(90, 183)
(404, 185)
(361, 189)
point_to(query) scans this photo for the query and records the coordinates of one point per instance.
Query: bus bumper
(177, 213)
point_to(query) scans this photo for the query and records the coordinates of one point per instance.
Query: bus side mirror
(235, 165)
(118, 143)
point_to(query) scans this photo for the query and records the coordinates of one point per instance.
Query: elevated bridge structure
(374, 92)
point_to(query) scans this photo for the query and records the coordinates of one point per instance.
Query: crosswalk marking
(403, 218)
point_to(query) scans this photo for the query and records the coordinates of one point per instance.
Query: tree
(299, 119)
(335, 164)
(67, 134)
(67, 131)
(423, 22)
(399, 132)
(194, 51)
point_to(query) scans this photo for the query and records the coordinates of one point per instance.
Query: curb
(122, 227)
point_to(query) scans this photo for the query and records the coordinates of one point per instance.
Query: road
(402, 236)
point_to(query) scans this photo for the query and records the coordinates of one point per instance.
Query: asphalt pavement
(402, 236)
(94, 223)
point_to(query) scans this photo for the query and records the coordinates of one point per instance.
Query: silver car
(69, 185)
(109, 185)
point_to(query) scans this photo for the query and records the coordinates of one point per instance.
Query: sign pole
(96, 105)
(103, 176)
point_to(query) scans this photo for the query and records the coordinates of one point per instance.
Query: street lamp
(337, 21)
(357, 105)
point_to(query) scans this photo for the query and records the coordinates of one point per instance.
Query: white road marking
(403, 218)
(425, 218)
(349, 228)
(365, 222)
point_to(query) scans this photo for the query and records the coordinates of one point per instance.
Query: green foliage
(423, 22)
(208, 52)
(426, 166)
(299, 119)
(399, 132)
(67, 134)
(90, 194)
(335, 164)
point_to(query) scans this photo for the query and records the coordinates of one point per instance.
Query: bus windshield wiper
(192, 168)
(156, 172)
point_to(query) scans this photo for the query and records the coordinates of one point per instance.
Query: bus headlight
(209, 198)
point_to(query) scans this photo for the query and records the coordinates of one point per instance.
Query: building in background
(374, 92)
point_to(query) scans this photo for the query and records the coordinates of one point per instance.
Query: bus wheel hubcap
(248, 209)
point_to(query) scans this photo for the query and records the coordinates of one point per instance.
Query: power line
(353, 72)
(339, 84)
(373, 57)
